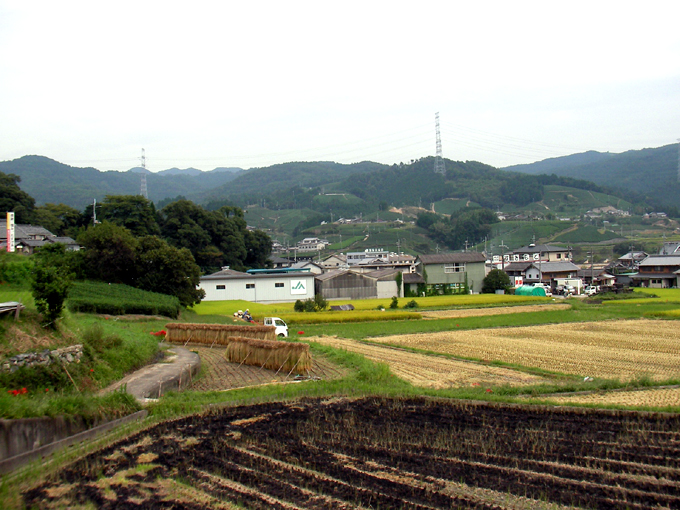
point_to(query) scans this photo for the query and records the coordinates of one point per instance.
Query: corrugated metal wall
(348, 286)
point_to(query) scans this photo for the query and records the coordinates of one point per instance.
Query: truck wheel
(281, 335)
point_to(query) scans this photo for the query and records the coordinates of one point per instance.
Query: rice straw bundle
(215, 334)
(271, 354)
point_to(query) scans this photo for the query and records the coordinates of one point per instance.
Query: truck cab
(279, 324)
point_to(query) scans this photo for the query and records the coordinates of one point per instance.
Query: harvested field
(501, 310)
(612, 349)
(656, 397)
(220, 375)
(382, 453)
(429, 371)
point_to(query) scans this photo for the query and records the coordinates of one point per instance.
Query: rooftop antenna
(143, 190)
(439, 167)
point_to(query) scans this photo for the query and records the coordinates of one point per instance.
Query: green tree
(495, 280)
(60, 219)
(51, 282)
(109, 253)
(12, 198)
(133, 212)
(399, 279)
(168, 270)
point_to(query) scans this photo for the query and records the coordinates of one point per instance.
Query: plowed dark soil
(383, 453)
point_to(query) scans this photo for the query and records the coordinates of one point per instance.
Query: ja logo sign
(298, 287)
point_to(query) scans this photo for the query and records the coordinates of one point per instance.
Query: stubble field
(382, 453)
(618, 349)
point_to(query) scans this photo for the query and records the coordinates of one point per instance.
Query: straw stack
(272, 354)
(215, 334)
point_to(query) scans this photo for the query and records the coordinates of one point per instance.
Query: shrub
(320, 304)
(411, 304)
(395, 302)
(299, 306)
(118, 299)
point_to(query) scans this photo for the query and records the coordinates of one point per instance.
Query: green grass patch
(118, 299)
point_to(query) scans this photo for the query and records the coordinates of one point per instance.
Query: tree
(495, 280)
(168, 270)
(51, 282)
(399, 279)
(59, 219)
(133, 212)
(109, 253)
(12, 198)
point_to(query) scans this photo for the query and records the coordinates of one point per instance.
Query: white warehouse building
(258, 285)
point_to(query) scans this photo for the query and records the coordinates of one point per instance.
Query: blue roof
(278, 271)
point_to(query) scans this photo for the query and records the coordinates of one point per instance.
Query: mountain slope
(650, 173)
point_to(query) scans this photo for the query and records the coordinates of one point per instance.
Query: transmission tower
(143, 191)
(438, 160)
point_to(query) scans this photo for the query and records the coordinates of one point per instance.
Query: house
(536, 252)
(267, 286)
(658, 271)
(543, 272)
(356, 257)
(451, 272)
(27, 238)
(335, 261)
(313, 267)
(311, 244)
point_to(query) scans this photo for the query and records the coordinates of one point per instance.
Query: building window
(278, 285)
(454, 268)
(559, 255)
(221, 287)
(250, 285)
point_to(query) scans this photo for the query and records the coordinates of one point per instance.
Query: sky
(209, 84)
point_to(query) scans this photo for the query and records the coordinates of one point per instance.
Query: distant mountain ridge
(652, 173)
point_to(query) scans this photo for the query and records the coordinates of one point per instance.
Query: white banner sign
(298, 287)
(10, 231)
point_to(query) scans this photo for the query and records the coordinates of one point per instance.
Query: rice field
(501, 310)
(428, 371)
(623, 350)
(653, 397)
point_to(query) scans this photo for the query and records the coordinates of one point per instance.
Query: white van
(279, 324)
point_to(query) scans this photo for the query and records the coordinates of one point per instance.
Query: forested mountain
(652, 174)
(49, 181)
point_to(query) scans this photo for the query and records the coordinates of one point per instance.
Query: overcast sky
(248, 84)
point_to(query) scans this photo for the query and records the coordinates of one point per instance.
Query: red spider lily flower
(92, 370)
(23, 391)
(489, 390)
(301, 332)
(46, 390)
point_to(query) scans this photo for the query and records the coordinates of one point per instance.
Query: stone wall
(65, 355)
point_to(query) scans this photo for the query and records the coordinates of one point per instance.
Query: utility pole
(439, 167)
(502, 246)
(143, 190)
(94, 212)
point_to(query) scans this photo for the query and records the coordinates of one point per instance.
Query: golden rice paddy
(610, 349)
(429, 371)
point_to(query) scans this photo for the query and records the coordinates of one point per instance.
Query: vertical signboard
(10, 231)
